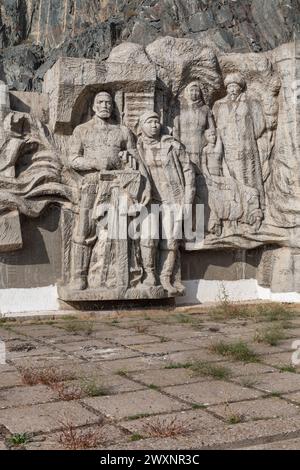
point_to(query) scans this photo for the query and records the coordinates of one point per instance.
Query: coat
(240, 124)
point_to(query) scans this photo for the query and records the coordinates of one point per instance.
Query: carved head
(193, 92)
(235, 85)
(103, 105)
(150, 125)
(210, 136)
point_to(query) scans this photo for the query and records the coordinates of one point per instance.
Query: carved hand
(146, 197)
(129, 159)
(81, 164)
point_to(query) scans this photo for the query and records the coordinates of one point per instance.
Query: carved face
(234, 90)
(151, 127)
(193, 92)
(103, 105)
(210, 137)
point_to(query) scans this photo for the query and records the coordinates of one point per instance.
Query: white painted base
(201, 291)
(43, 300)
(38, 299)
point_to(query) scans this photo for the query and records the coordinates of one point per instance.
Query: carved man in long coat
(240, 121)
(95, 146)
(172, 183)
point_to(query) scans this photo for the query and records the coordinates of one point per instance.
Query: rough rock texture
(34, 33)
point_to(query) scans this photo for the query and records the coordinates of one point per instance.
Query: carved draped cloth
(240, 124)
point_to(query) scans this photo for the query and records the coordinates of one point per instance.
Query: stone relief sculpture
(30, 171)
(200, 127)
(172, 185)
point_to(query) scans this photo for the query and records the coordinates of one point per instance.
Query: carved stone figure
(212, 166)
(194, 119)
(172, 183)
(96, 146)
(240, 122)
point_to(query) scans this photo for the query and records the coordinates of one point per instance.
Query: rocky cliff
(34, 33)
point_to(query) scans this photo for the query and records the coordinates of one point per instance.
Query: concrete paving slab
(46, 417)
(22, 396)
(133, 403)
(277, 382)
(255, 409)
(211, 392)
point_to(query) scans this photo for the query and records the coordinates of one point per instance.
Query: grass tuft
(77, 327)
(72, 438)
(18, 439)
(165, 428)
(136, 437)
(138, 416)
(288, 368)
(272, 335)
(210, 370)
(93, 389)
(235, 418)
(179, 365)
(198, 406)
(238, 351)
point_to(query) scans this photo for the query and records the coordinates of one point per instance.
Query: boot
(179, 287)
(168, 262)
(148, 257)
(80, 265)
(177, 275)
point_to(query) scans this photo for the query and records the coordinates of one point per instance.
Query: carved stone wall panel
(176, 122)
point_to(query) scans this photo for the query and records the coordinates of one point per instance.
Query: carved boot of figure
(168, 259)
(80, 266)
(148, 257)
(177, 275)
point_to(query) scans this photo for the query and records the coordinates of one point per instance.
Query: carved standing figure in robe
(240, 122)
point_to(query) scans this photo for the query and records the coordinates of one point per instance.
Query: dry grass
(272, 335)
(72, 438)
(141, 329)
(78, 327)
(67, 392)
(92, 388)
(165, 428)
(271, 312)
(48, 376)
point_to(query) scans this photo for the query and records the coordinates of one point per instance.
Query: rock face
(34, 33)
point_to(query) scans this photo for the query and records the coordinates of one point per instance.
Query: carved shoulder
(81, 129)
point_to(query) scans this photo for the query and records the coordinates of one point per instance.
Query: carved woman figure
(194, 119)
